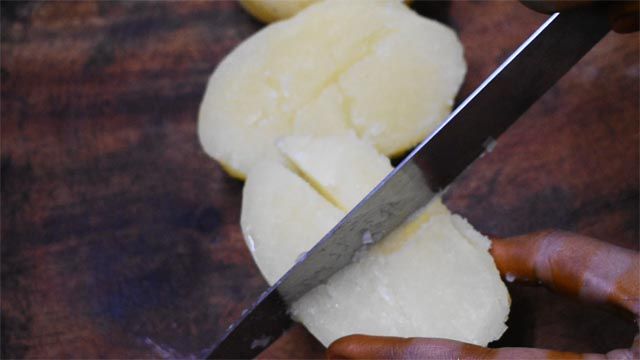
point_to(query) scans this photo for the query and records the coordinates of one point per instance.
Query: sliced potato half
(431, 277)
(374, 67)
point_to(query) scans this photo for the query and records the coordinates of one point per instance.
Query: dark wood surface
(120, 237)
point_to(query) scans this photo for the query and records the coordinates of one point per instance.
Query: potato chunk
(282, 217)
(433, 277)
(342, 167)
(374, 67)
(273, 10)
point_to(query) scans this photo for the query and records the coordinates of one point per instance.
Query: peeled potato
(342, 167)
(374, 67)
(433, 277)
(282, 217)
(273, 10)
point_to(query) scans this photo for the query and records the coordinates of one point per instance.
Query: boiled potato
(374, 67)
(433, 277)
(343, 168)
(282, 217)
(273, 10)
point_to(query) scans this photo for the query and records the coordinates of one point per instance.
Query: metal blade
(507, 93)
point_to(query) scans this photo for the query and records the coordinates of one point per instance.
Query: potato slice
(343, 168)
(433, 277)
(282, 217)
(372, 66)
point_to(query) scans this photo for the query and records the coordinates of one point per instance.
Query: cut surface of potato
(433, 277)
(282, 217)
(343, 168)
(374, 67)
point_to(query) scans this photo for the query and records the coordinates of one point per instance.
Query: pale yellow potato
(343, 168)
(431, 278)
(325, 115)
(374, 67)
(273, 10)
(282, 217)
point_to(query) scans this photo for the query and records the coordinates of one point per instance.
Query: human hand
(567, 263)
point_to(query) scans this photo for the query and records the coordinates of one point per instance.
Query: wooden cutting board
(120, 237)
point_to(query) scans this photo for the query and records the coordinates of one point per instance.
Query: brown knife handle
(623, 15)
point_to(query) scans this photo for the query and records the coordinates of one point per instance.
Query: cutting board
(120, 237)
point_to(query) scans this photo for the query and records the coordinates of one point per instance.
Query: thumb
(378, 347)
(386, 347)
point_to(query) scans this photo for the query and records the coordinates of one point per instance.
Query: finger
(375, 347)
(573, 264)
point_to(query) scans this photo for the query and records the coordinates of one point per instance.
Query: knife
(560, 42)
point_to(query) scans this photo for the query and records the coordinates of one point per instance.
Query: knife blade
(560, 42)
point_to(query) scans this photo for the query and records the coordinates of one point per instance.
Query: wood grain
(120, 237)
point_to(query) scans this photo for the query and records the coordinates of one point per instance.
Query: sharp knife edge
(542, 59)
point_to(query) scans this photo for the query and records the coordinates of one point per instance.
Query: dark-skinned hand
(567, 263)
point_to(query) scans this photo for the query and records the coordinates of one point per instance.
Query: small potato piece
(282, 217)
(343, 168)
(433, 277)
(273, 10)
(375, 67)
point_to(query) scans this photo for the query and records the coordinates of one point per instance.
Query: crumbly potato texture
(431, 277)
(372, 67)
(309, 110)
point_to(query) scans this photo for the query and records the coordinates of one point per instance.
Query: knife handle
(623, 15)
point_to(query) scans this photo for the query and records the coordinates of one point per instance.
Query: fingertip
(366, 347)
(345, 347)
(515, 256)
(386, 347)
